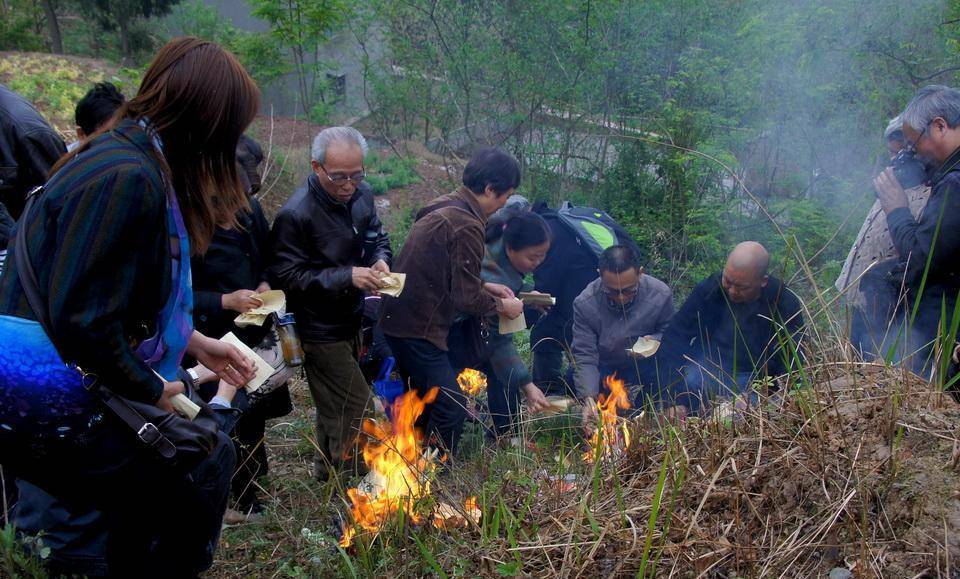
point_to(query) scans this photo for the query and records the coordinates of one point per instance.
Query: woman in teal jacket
(516, 245)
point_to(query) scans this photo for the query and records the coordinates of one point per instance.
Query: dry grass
(858, 472)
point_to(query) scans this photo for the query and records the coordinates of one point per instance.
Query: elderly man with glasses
(329, 247)
(609, 316)
(924, 279)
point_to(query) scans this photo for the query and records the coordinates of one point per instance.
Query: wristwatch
(194, 378)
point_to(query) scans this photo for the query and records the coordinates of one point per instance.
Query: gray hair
(894, 131)
(349, 135)
(931, 102)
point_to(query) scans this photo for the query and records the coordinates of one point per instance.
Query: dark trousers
(111, 509)
(342, 397)
(892, 331)
(503, 401)
(424, 366)
(702, 384)
(249, 437)
(550, 343)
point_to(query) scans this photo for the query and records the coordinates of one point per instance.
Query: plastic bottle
(289, 340)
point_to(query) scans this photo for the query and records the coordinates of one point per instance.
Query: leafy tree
(260, 54)
(302, 27)
(696, 121)
(20, 26)
(123, 15)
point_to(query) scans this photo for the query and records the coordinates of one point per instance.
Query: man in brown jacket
(442, 257)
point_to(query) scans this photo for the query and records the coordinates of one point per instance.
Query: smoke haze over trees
(793, 96)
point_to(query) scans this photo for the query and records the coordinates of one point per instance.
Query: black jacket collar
(324, 198)
(950, 165)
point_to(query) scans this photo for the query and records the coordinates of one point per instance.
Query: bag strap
(459, 203)
(25, 272)
(145, 430)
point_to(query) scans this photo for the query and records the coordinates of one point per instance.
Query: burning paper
(472, 382)
(612, 437)
(446, 516)
(398, 467)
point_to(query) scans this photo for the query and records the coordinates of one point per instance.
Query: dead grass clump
(859, 472)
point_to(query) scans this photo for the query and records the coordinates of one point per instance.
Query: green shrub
(21, 559)
(384, 174)
(54, 84)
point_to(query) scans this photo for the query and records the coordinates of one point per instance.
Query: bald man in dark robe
(737, 326)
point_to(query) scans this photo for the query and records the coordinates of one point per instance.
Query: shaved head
(745, 274)
(749, 256)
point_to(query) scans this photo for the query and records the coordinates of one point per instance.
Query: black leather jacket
(28, 148)
(316, 242)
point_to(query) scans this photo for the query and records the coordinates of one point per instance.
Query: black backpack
(594, 228)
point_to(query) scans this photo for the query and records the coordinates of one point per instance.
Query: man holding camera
(928, 246)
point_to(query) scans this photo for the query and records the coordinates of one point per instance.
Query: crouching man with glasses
(329, 247)
(609, 316)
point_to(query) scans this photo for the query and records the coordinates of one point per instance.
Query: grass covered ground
(857, 470)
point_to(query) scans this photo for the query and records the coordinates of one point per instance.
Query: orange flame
(612, 435)
(398, 467)
(472, 381)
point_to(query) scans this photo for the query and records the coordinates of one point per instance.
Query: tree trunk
(124, 27)
(53, 26)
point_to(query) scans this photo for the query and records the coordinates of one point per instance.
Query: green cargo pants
(342, 397)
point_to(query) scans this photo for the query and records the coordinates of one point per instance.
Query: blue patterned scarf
(164, 350)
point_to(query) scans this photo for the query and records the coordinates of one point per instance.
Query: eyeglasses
(341, 179)
(911, 146)
(627, 292)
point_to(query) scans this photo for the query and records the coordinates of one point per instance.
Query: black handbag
(179, 442)
(469, 343)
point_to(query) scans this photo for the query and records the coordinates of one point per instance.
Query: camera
(908, 169)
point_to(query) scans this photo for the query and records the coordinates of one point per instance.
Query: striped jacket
(98, 241)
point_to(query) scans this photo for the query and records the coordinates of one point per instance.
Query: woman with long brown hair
(110, 240)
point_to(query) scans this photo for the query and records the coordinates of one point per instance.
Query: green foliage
(20, 26)
(386, 173)
(697, 124)
(21, 559)
(126, 17)
(260, 54)
(301, 27)
(400, 228)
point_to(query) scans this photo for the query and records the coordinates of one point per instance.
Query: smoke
(835, 73)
